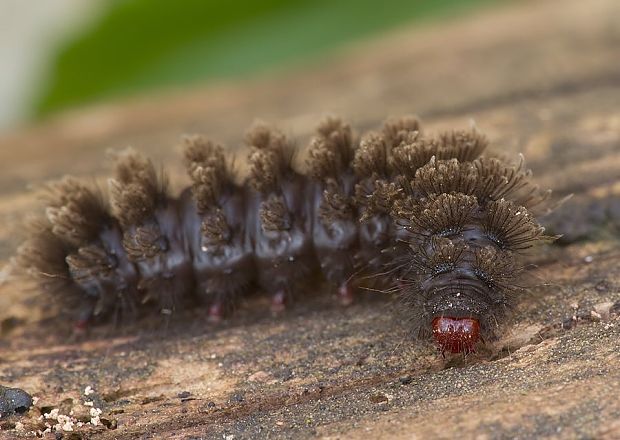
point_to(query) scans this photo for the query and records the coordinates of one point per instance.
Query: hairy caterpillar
(431, 217)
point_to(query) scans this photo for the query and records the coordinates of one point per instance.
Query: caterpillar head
(455, 309)
(456, 335)
(458, 317)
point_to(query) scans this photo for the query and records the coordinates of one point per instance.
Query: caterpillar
(433, 219)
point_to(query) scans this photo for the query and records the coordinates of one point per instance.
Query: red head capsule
(456, 335)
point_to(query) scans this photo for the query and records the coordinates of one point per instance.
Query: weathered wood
(541, 78)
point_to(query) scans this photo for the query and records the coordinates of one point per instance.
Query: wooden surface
(539, 77)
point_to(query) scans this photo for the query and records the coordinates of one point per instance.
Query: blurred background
(63, 54)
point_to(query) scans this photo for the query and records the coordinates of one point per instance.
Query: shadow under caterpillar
(429, 218)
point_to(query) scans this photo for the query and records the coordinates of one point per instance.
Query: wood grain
(539, 77)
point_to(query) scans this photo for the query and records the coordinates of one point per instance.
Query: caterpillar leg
(80, 327)
(346, 294)
(83, 319)
(216, 312)
(279, 301)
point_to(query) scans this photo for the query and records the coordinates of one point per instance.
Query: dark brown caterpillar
(426, 217)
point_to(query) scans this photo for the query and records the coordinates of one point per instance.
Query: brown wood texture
(539, 77)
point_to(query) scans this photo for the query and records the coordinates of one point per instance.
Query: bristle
(444, 256)
(335, 130)
(136, 189)
(511, 227)
(417, 151)
(411, 155)
(330, 161)
(90, 263)
(215, 228)
(445, 176)
(76, 212)
(331, 152)
(144, 242)
(201, 151)
(208, 170)
(270, 157)
(487, 178)
(440, 215)
(497, 268)
(338, 137)
(322, 161)
(43, 255)
(498, 180)
(336, 205)
(398, 130)
(264, 171)
(461, 144)
(377, 197)
(371, 158)
(264, 137)
(274, 214)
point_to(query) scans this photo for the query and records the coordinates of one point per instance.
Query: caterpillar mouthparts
(430, 219)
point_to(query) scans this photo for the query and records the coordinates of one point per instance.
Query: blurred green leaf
(139, 45)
